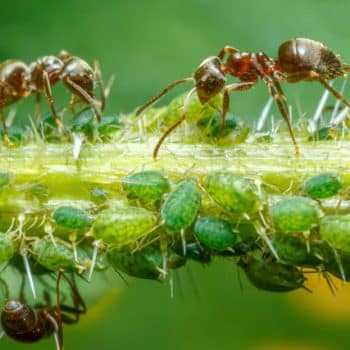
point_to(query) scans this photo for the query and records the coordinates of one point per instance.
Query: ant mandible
(298, 59)
(18, 80)
(27, 325)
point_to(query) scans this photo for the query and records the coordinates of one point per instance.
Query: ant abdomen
(14, 73)
(22, 323)
(301, 55)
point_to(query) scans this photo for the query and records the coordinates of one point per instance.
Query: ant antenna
(173, 127)
(162, 93)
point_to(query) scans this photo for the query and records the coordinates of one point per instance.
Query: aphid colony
(158, 223)
(163, 225)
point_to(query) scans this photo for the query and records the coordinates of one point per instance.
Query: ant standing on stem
(298, 59)
(18, 80)
(26, 324)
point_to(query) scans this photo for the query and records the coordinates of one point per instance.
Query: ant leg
(226, 100)
(58, 310)
(48, 93)
(173, 127)
(72, 103)
(334, 92)
(100, 83)
(162, 93)
(227, 49)
(278, 95)
(90, 100)
(7, 140)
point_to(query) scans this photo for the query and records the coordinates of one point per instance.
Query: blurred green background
(146, 45)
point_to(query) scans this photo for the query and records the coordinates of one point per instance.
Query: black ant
(28, 325)
(18, 80)
(298, 59)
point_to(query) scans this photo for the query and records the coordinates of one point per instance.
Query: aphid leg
(48, 93)
(340, 265)
(227, 50)
(226, 100)
(171, 285)
(162, 93)
(90, 100)
(264, 114)
(183, 241)
(278, 95)
(163, 245)
(173, 127)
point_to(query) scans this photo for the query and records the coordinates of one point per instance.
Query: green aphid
(7, 248)
(149, 185)
(145, 263)
(270, 275)
(335, 229)
(53, 256)
(295, 214)
(296, 251)
(84, 122)
(109, 124)
(121, 226)
(98, 195)
(181, 207)
(215, 233)
(72, 218)
(234, 193)
(4, 179)
(211, 125)
(39, 191)
(323, 185)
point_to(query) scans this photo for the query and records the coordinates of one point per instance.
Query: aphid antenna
(43, 220)
(37, 136)
(337, 102)
(193, 283)
(9, 230)
(315, 120)
(28, 271)
(97, 245)
(264, 115)
(35, 221)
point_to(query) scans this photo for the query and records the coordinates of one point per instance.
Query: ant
(26, 324)
(298, 59)
(19, 80)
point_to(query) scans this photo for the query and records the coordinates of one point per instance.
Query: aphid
(72, 218)
(7, 248)
(270, 275)
(215, 233)
(53, 256)
(145, 263)
(181, 207)
(295, 251)
(146, 185)
(122, 226)
(194, 251)
(18, 80)
(295, 214)
(323, 185)
(26, 324)
(234, 193)
(335, 229)
(98, 195)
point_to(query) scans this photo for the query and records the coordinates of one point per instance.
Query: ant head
(81, 74)
(210, 79)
